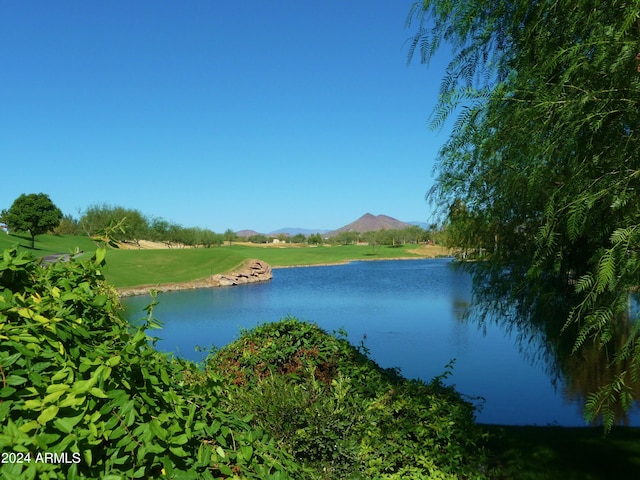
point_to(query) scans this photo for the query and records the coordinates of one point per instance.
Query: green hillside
(47, 244)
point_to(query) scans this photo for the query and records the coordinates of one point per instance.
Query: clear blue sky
(219, 114)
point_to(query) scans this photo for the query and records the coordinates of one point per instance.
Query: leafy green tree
(135, 224)
(544, 153)
(229, 236)
(210, 238)
(258, 238)
(345, 238)
(68, 226)
(375, 238)
(315, 239)
(299, 238)
(415, 234)
(34, 213)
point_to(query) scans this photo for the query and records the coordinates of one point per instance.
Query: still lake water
(408, 313)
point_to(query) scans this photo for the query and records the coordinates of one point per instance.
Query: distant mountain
(247, 233)
(369, 222)
(365, 223)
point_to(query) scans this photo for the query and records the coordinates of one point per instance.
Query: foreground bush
(85, 395)
(341, 415)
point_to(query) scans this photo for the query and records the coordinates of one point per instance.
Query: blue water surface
(408, 313)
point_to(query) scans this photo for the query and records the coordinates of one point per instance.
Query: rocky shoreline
(252, 271)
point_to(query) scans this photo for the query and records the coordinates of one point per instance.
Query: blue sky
(219, 114)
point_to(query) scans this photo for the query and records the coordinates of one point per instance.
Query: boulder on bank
(251, 271)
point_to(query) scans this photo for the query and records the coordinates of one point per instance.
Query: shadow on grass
(565, 453)
(23, 240)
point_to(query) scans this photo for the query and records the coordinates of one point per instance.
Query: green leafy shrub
(340, 414)
(85, 395)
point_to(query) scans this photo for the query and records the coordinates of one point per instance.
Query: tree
(299, 238)
(34, 213)
(544, 154)
(98, 217)
(229, 236)
(315, 239)
(68, 226)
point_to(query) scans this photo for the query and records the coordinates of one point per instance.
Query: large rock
(251, 271)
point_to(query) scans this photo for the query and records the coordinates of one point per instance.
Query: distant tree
(346, 238)
(315, 239)
(98, 217)
(415, 234)
(394, 237)
(229, 236)
(34, 213)
(299, 238)
(210, 238)
(68, 226)
(159, 231)
(375, 238)
(258, 238)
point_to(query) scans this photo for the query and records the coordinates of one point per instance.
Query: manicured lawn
(47, 244)
(129, 268)
(311, 255)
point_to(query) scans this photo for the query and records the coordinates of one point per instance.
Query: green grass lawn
(311, 255)
(130, 268)
(47, 244)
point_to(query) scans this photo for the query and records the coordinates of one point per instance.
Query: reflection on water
(538, 320)
(415, 315)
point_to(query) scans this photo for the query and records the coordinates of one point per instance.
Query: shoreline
(214, 280)
(345, 262)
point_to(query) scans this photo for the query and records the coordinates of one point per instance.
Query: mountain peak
(369, 222)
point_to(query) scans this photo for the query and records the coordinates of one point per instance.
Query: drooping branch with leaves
(544, 153)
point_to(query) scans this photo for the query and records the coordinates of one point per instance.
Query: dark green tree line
(544, 153)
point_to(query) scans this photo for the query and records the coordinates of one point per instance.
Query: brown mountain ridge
(368, 223)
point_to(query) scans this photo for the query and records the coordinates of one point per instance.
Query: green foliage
(285, 401)
(137, 227)
(34, 213)
(78, 380)
(315, 239)
(341, 415)
(98, 218)
(544, 153)
(68, 226)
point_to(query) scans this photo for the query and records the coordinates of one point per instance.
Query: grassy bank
(129, 268)
(47, 244)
